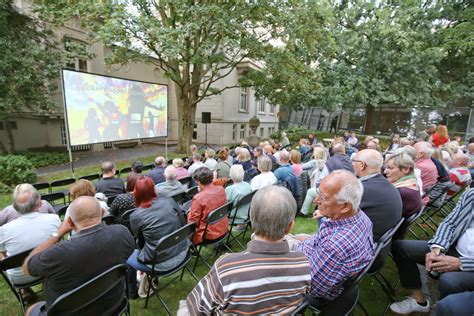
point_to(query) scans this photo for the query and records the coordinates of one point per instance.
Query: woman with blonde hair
(440, 137)
(319, 160)
(295, 160)
(284, 141)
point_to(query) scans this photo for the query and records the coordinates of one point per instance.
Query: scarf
(408, 181)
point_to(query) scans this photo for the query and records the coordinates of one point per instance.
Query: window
(72, 48)
(195, 134)
(1, 126)
(242, 131)
(243, 101)
(261, 105)
(234, 132)
(63, 133)
(12, 125)
(262, 131)
(272, 109)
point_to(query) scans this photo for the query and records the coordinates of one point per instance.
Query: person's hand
(66, 227)
(446, 264)
(317, 214)
(431, 256)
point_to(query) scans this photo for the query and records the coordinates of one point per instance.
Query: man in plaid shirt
(344, 244)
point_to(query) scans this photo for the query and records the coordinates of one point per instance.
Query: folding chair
(91, 177)
(186, 180)
(167, 242)
(450, 202)
(214, 217)
(125, 218)
(437, 196)
(179, 197)
(191, 192)
(62, 183)
(42, 186)
(243, 202)
(123, 172)
(111, 199)
(62, 211)
(148, 167)
(12, 262)
(53, 198)
(229, 183)
(409, 221)
(345, 303)
(91, 292)
(109, 220)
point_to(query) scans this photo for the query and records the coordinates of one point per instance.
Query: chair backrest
(62, 210)
(175, 238)
(437, 193)
(63, 182)
(148, 167)
(243, 202)
(52, 197)
(191, 192)
(186, 180)
(41, 186)
(126, 216)
(385, 243)
(218, 214)
(91, 291)
(125, 170)
(413, 217)
(91, 177)
(109, 220)
(179, 197)
(14, 261)
(229, 183)
(111, 199)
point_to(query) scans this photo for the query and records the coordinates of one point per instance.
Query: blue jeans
(460, 304)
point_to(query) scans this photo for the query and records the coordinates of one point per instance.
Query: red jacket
(210, 198)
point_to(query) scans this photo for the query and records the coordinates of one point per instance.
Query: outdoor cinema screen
(105, 109)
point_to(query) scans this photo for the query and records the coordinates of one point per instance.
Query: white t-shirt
(211, 163)
(465, 245)
(25, 233)
(195, 166)
(263, 180)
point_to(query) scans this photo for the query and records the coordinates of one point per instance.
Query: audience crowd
(359, 193)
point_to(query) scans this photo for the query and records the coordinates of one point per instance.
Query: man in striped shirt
(450, 252)
(344, 244)
(267, 278)
(459, 173)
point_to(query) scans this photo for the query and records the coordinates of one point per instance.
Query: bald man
(67, 264)
(381, 201)
(459, 172)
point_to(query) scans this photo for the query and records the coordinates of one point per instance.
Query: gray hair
(284, 156)
(244, 154)
(236, 173)
(264, 163)
(426, 148)
(338, 149)
(178, 162)
(409, 150)
(402, 160)
(160, 161)
(272, 209)
(22, 191)
(170, 173)
(211, 153)
(351, 189)
(371, 157)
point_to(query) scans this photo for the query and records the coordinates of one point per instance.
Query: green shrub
(45, 159)
(16, 169)
(5, 189)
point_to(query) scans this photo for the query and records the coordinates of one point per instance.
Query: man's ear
(71, 222)
(347, 207)
(290, 227)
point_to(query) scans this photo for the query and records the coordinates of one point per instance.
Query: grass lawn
(371, 297)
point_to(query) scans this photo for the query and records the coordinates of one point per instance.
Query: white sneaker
(409, 305)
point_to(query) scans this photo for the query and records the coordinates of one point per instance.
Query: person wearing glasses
(381, 201)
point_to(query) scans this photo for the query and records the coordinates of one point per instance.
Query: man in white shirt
(27, 231)
(210, 161)
(197, 163)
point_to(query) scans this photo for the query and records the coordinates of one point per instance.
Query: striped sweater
(266, 279)
(454, 226)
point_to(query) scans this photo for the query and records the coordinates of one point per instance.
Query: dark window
(12, 125)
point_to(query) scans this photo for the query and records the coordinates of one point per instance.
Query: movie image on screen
(104, 109)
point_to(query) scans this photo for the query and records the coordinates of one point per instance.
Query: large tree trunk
(186, 119)
(10, 140)
(369, 117)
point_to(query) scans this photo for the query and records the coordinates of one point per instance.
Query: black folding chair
(12, 262)
(450, 201)
(123, 172)
(179, 197)
(42, 186)
(148, 167)
(345, 303)
(91, 177)
(111, 199)
(437, 195)
(53, 199)
(109, 220)
(167, 242)
(186, 180)
(229, 183)
(62, 183)
(62, 210)
(91, 292)
(125, 218)
(217, 215)
(191, 192)
(242, 203)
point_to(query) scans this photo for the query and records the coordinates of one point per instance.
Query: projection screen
(105, 109)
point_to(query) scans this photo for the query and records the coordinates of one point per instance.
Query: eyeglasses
(354, 160)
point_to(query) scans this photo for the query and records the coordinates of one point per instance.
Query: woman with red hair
(440, 137)
(154, 218)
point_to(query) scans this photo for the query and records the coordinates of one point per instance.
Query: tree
(28, 64)
(194, 43)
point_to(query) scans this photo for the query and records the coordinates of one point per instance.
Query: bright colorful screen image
(104, 109)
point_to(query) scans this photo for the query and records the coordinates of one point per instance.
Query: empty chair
(62, 183)
(56, 199)
(91, 177)
(40, 186)
(187, 181)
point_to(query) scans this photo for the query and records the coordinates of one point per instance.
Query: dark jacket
(157, 174)
(339, 162)
(110, 186)
(152, 223)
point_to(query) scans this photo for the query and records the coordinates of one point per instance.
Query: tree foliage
(28, 63)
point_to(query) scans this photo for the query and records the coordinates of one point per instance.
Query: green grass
(371, 297)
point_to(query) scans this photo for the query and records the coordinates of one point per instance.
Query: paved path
(87, 158)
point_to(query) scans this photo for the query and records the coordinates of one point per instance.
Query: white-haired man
(381, 201)
(171, 186)
(429, 172)
(344, 245)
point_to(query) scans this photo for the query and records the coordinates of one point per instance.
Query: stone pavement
(87, 158)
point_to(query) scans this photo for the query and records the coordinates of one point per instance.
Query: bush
(45, 159)
(16, 169)
(5, 189)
